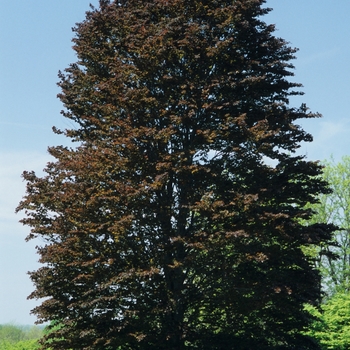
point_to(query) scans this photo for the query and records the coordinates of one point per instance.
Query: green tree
(11, 333)
(166, 227)
(33, 332)
(20, 345)
(14, 337)
(331, 327)
(335, 207)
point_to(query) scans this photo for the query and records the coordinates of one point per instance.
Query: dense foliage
(332, 324)
(19, 338)
(335, 207)
(20, 345)
(168, 227)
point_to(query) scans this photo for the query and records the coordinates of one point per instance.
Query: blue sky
(35, 39)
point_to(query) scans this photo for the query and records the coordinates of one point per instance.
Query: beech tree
(175, 221)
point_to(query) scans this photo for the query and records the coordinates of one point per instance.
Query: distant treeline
(14, 337)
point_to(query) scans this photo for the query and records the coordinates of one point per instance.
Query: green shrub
(21, 345)
(19, 338)
(331, 327)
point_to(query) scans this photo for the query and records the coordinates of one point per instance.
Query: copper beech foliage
(175, 221)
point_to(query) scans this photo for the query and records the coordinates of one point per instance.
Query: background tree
(332, 325)
(335, 207)
(19, 338)
(166, 227)
(20, 345)
(11, 333)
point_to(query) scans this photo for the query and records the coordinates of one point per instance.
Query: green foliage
(19, 338)
(331, 327)
(21, 345)
(335, 207)
(13, 333)
(167, 227)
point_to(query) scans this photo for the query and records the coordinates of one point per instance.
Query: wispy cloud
(330, 130)
(317, 56)
(330, 138)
